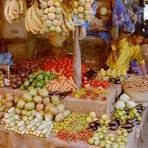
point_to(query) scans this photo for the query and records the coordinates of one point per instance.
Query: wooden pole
(77, 58)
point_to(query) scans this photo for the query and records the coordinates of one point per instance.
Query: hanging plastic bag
(57, 39)
(6, 58)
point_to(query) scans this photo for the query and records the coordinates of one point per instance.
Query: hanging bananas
(33, 22)
(52, 17)
(14, 9)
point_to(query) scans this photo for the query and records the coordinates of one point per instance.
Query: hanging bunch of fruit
(14, 9)
(82, 10)
(56, 16)
(33, 22)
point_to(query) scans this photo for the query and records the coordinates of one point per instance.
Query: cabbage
(27, 97)
(33, 92)
(34, 112)
(131, 104)
(48, 106)
(66, 112)
(29, 106)
(53, 110)
(59, 117)
(48, 116)
(8, 104)
(24, 112)
(55, 100)
(10, 98)
(61, 108)
(43, 92)
(20, 104)
(46, 101)
(41, 113)
(39, 107)
(124, 98)
(28, 113)
(38, 99)
(18, 111)
(119, 104)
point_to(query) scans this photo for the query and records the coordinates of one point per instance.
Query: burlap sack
(57, 39)
(137, 96)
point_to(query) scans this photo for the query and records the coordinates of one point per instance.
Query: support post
(77, 58)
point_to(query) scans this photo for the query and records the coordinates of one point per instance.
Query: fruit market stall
(58, 101)
(35, 114)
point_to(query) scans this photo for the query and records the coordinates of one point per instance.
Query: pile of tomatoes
(95, 83)
(65, 64)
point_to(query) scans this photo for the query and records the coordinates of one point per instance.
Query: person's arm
(141, 62)
(114, 53)
(143, 69)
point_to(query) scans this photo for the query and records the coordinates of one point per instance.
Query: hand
(114, 58)
(144, 77)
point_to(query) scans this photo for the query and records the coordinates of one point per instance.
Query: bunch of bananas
(68, 23)
(82, 10)
(33, 22)
(14, 9)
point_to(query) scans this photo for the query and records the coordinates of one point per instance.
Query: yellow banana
(21, 4)
(10, 14)
(6, 10)
(35, 17)
(32, 27)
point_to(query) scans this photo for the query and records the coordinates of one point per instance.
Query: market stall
(60, 98)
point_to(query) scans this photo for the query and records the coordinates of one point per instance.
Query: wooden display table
(97, 106)
(84, 106)
(14, 140)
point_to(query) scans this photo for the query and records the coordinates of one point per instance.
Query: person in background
(125, 50)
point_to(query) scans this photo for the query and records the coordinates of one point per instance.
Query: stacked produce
(62, 84)
(85, 93)
(127, 113)
(94, 122)
(82, 135)
(2, 77)
(14, 9)
(18, 79)
(73, 128)
(33, 22)
(56, 16)
(34, 113)
(103, 138)
(82, 10)
(38, 80)
(6, 102)
(115, 75)
(73, 123)
(65, 64)
(33, 125)
(136, 83)
(29, 65)
(95, 83)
